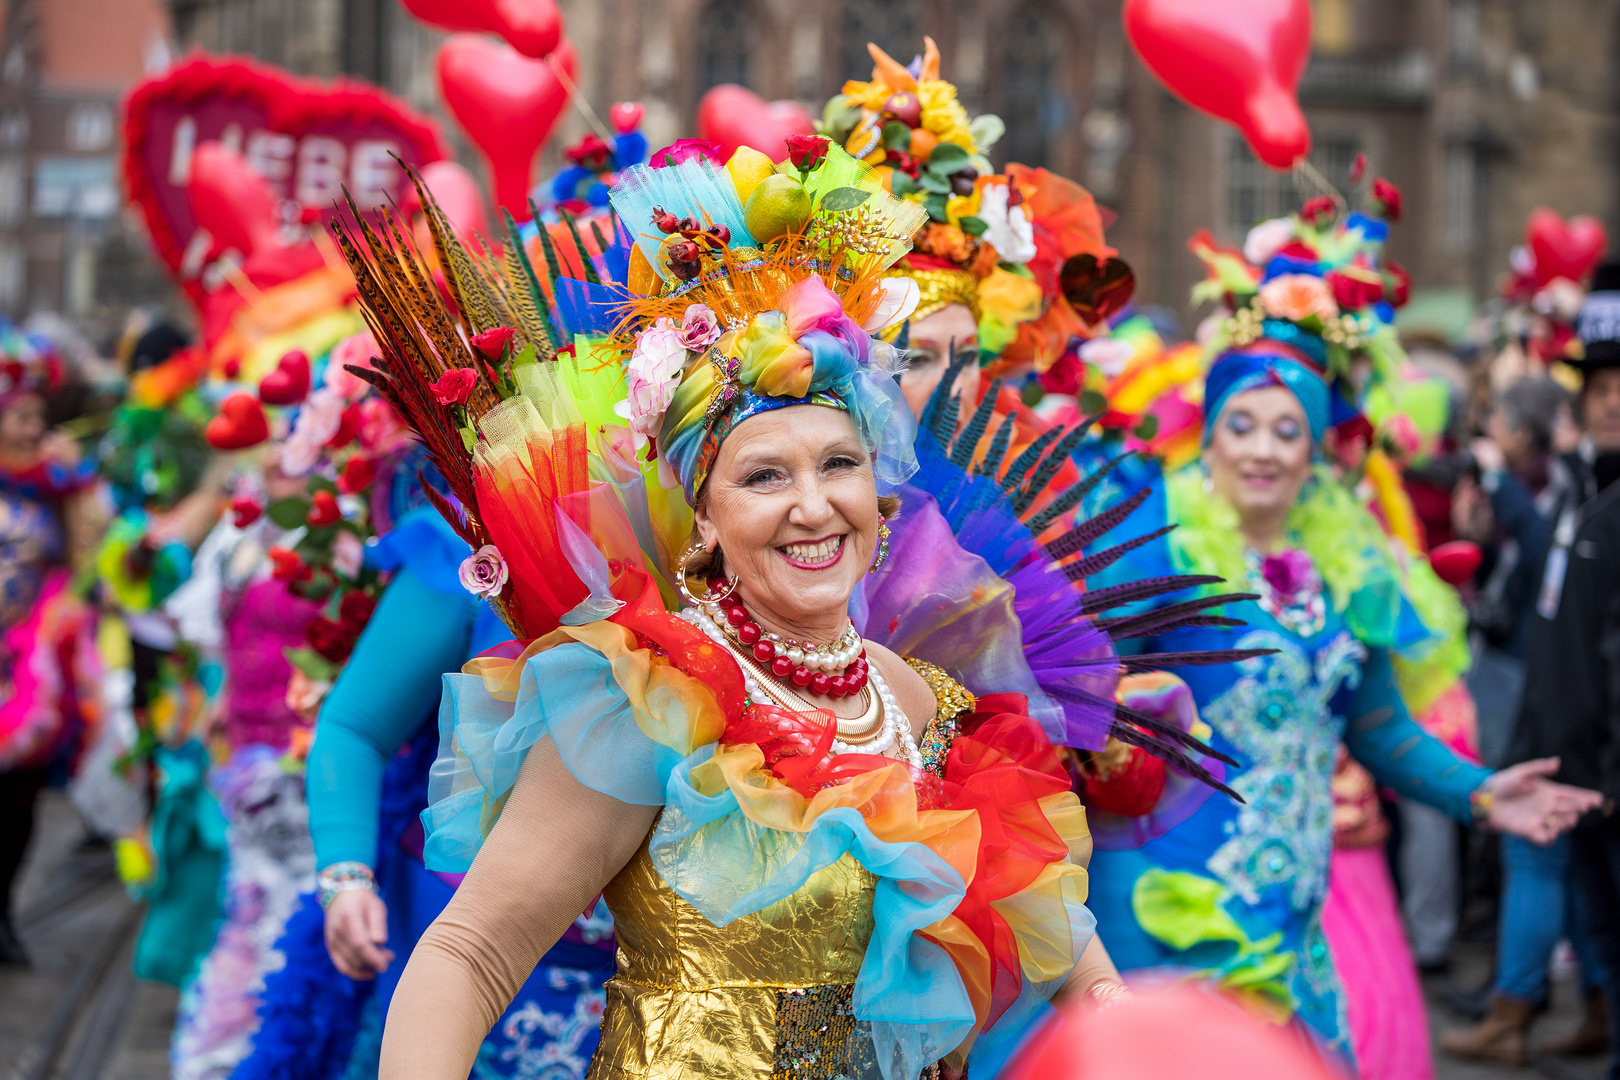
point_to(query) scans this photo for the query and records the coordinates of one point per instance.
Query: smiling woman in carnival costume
(822, 859)
(1235, 892)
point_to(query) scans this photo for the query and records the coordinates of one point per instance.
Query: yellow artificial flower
(943, 114)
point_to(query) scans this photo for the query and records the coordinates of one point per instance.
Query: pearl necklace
(895, 725)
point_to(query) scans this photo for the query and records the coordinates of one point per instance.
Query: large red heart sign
(1567, 249)
(1238, 60)
(308, 139)
(731, 116)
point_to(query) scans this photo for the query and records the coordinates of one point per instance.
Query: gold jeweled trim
(954, 700)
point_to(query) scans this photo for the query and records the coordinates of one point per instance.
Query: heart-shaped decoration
(1567, 249)
(1096, 290)
(245, 511)
(507, 103)
(308, 139)
(239, 425)
(288, 384)
(731, 116)
(625, 116)
(1239, 61)
(1454, 563)
(323, 509)
(532, 27)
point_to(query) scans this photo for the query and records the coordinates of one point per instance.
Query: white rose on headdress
(651, 376)
(318, 420)
(1008, 229)
(484, 573)
(900, 298)
(1108, 355)
(1266, 239)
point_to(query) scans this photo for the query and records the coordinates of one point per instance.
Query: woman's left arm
(1383, 736)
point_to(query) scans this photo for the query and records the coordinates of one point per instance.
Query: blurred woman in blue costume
(1231, 891)
(366, 781)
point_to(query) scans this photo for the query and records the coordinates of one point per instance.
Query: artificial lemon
(747, 168)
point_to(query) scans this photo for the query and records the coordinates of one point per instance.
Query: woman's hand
(356, 929)
(1525, 803)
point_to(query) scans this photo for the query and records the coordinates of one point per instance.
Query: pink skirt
(1389, 1028)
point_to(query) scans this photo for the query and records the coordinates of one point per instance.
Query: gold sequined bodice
(764, 996)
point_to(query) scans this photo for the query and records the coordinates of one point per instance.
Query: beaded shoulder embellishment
(953, 700)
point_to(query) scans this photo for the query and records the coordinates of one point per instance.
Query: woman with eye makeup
(1235, 892)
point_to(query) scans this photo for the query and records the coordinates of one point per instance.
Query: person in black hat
(1571, 706)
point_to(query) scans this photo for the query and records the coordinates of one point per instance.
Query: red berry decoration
(838, 686)
(748, 633)
(736, 616)
(781, 667)
(764, 652)
(801, 676)
(820, 683)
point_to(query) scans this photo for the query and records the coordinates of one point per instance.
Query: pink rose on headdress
(651, 376)
(380, 429)
(1289, 573)
(455, 386)
(1297, 297)
(318, 420)
(684, 150)
(700, 327)
(484, 572)
(1266, 239)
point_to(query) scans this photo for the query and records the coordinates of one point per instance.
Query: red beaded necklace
(741, 625)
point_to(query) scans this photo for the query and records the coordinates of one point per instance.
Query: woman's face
(22, 426)
(792, 506)
(931, 341)
(1259, 455)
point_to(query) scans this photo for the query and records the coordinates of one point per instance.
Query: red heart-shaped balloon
(288, 384)
(1238, 60)
(458, 194)
(626, 115)
(532, 27)
(507, 103)
(1096, 290)
(239, 425)
(1455, 562)
(1567, 249)
(731, 116)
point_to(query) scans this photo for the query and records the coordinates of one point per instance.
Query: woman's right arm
(555, 847)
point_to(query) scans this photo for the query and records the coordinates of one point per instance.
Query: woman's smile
(814, 554)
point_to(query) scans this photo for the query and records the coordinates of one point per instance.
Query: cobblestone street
(80, 1014)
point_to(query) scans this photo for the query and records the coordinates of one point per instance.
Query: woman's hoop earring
(707, 597)
(883, 545)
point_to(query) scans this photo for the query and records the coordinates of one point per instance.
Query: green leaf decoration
(1092, 403)
(973, 226)
(986, 130)
(1148, 427)
(901, 184)
(840, 199)
(315, 667)
(469, 439)
(929, 180)
(947, 158)
(896, 136)
(288, 513)
(317, 482)
(935, 205)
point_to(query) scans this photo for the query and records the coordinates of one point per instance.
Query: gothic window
(726, 29)
(1030, 99)
(1256, 193)
(895, 26)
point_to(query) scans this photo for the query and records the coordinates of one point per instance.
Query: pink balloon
(507, 103)
(459, 196)
(532, 27)
(731, 116)
(235, 204)
(1238, 60)
(1568, 249)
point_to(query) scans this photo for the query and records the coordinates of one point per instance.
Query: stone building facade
(1480, 109)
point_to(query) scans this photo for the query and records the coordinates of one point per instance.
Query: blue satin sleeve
(389, 687)
(1383, 736)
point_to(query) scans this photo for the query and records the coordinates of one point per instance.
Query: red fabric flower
(349, 423)
(358, 473)
(1386, 199)
(245, 511)
(807, 151)
(332, 640)
(1131, 790)
(1319, 210)
(494, 342)
(683, 150)
(1298, 249)
(1401, 291)
(323, 510)
(355, 609)
(1354, 292)
(592, 151)
(286, 565)
(455, 386)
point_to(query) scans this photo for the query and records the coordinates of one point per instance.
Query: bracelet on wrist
(343, 877)
(1480, 802)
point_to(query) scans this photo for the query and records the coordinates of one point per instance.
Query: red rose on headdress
(494, 342)
(1318, 211)
(684, 150)
(1297, 249)
(1402, 289)
(287, 565)
(358, 473)
(1386, 199)
(592, 151)
(355, 610)
(332, 640)
(807, 151)
(1354, 293)
(455, 386)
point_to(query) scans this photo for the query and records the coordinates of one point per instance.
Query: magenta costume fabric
(1388, 1024)
(265, 620)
